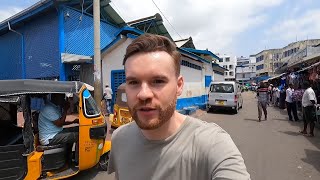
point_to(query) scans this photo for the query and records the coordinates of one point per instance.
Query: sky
(233, 27)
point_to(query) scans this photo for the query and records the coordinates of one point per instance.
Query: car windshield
(222, 88)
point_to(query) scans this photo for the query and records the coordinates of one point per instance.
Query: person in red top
(263, 100)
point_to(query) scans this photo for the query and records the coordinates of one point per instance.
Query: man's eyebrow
(130, 78)
(160, 77)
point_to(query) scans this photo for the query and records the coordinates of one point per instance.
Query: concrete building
(230, 63)
(275, 61)
(245, 70)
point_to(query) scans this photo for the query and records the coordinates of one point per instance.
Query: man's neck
(167, 129)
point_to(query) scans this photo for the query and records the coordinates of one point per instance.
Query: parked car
(225, 95)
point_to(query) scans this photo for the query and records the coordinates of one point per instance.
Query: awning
(75, 58)
(309, 67)
(277, 76)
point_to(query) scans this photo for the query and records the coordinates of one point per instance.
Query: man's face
(152, 88)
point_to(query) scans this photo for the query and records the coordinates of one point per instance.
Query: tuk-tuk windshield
(90, 107)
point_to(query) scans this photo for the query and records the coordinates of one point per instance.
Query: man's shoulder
(127, 130)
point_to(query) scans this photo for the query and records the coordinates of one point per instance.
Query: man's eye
(132, 82)
(158, 81)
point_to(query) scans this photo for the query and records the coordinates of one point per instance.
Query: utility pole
(97, 52)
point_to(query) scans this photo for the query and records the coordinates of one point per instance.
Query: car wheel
(104, 161)
(236, 110)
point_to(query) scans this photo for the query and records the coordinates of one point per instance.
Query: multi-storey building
(230, 63)
(273, 61)
(245, 69)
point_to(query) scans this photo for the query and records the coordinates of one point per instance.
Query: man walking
(309, 113)
(263, 100)
(291, 105)
(108, 97)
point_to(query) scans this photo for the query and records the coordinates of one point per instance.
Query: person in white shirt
(108, 97)
(291, 105)
(277, 96)
(308, 103)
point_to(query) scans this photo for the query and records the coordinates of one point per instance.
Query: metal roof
(199, 52)
(107, 12)
(152, 24)
(31, 86)
(186, 43)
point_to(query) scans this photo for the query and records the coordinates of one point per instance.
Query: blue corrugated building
(53, 38)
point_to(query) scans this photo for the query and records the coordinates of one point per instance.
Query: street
(272, 149)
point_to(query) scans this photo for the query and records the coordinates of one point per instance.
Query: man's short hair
(306, 84)
(152, 43)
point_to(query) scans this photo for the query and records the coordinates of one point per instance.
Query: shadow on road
(248, 119)
(313, 158)
(224, 112)
(291, 133)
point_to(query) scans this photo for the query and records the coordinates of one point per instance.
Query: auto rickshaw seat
(42, 148)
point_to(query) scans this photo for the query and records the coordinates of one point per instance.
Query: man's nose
(145, 92)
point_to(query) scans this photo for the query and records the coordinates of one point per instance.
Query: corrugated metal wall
(10, 56)
(79, 34)
(42, 46)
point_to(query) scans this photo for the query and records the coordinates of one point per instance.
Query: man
(108, 97)
(277, 92)
(263, 100)
(291, 105)
(51, 120)
(162, 143)
(308, 104)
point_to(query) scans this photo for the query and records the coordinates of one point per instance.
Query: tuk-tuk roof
(32, 86)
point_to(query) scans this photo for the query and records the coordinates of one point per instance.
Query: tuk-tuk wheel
(104, 161)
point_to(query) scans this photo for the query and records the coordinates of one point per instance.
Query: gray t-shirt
(197, 151)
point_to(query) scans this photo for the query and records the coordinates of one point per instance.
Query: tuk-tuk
(21, 154)
(121, 113)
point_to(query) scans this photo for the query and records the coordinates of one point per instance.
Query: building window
(231, 73)
(227, 59)
(226, 73)
(230, 67)
(259, 67)
(260, 58)
(225, 66)
(190, 65)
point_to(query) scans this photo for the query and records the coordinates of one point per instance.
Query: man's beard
(164, 115)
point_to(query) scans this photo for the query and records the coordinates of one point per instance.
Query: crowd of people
(288, 98)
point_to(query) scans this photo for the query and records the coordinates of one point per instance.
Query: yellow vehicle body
(121, 113)
(93, 147)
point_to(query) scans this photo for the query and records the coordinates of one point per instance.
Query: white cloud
(302, 27)
(8, 12)
(215, 25)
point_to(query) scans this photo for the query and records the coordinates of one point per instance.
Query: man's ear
(180, 84)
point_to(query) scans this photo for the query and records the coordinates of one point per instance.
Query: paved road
(272, 149)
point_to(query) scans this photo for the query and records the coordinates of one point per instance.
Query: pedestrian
(277, 96)
(108, 98)
(291, 104)
(309, 101)
(263, 100)
(161, 143)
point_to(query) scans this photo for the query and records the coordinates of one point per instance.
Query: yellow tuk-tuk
(22, 156)
(121, 113)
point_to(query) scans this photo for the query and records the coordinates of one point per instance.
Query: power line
(166, 19)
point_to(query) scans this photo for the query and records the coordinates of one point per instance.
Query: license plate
(220, 102)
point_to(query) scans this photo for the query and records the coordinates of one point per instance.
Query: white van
(226, 94)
